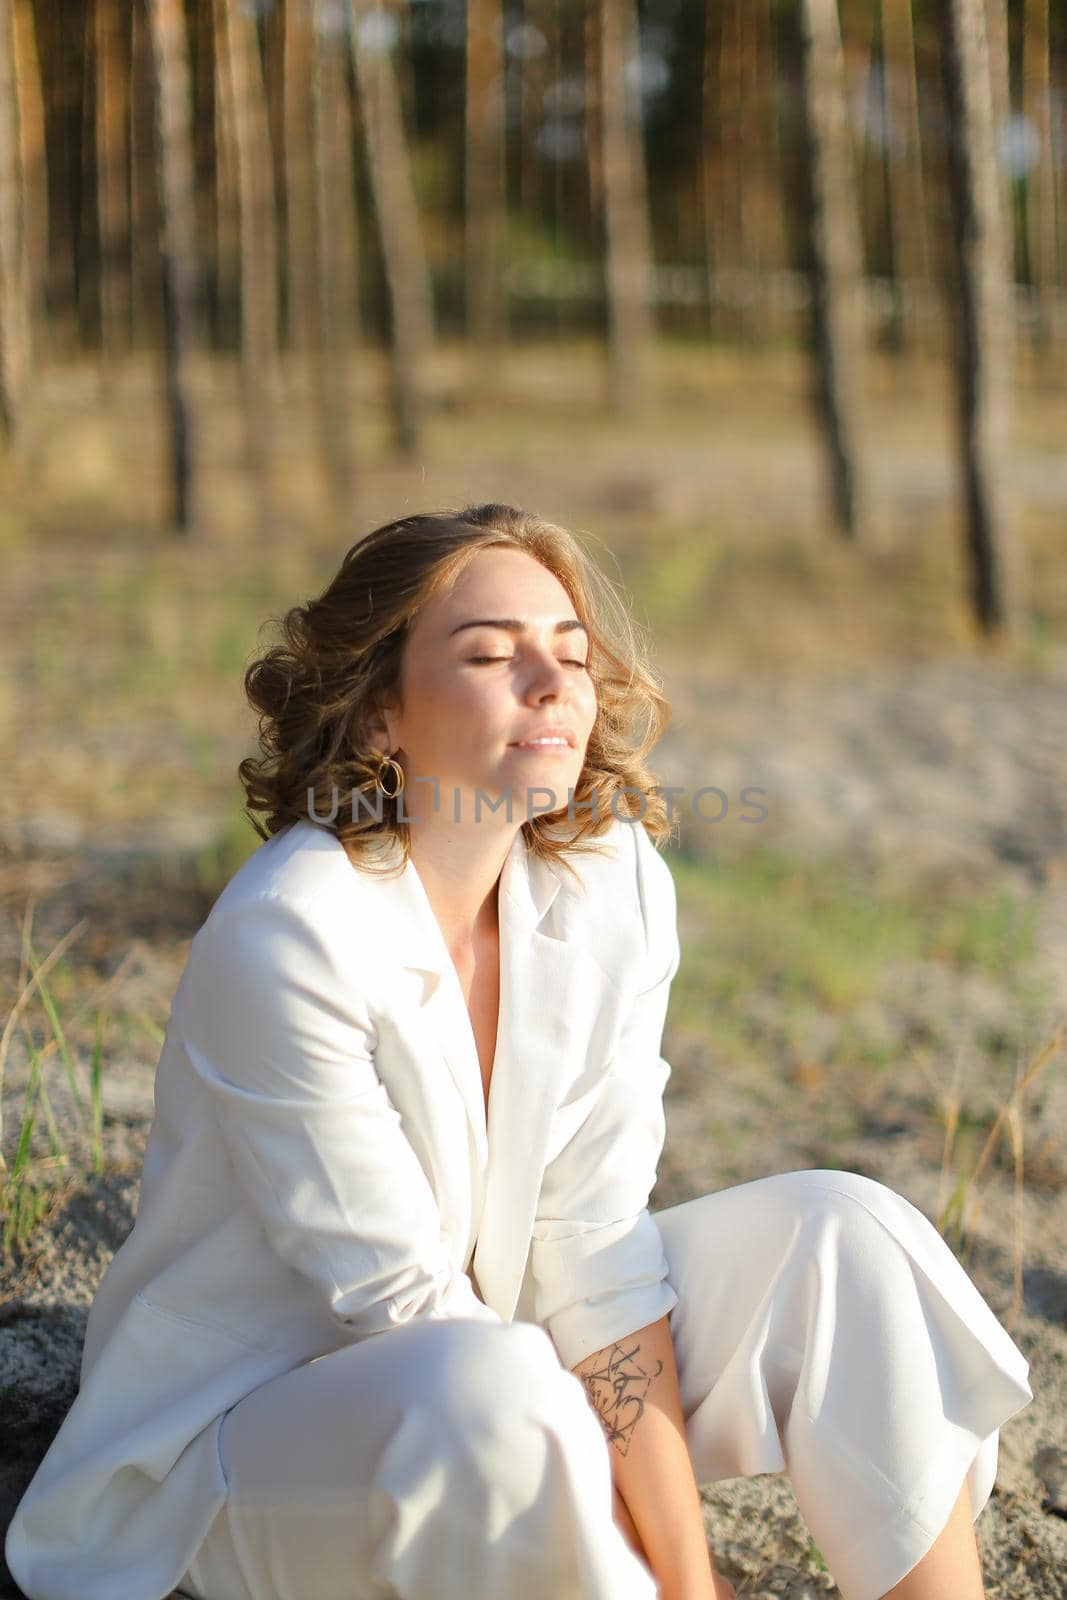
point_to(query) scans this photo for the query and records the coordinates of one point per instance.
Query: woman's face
(472, 694)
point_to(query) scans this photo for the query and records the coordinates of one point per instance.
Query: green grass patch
(808, 931)
(819, 937)
(815, 1556)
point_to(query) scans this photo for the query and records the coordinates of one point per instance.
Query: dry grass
(121, 712)
(961, 1196)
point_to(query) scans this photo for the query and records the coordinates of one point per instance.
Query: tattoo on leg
(617, 1389)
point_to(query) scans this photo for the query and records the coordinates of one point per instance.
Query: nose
(547, 677)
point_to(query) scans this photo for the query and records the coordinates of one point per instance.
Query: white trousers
(823, 1329)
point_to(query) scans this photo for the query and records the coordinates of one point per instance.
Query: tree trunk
(203, 51)
(859, 46)
(1040, 184)
(627, 240)
(335, 224)
(907, 199)
(770, 252)
(537, 67)
(711, 162)
(273, 30)
(112, 188)
(593, 118)
(996, 21)
(835, 266)
(166, 20)
(84, 174)
(227, 195)
(739, 166)
(14, 312)
(485, 187)
(733, 172)
(392, 186)
(982, 300)
(300, 176)
(258, 244)
(34, 166)
(146, 279)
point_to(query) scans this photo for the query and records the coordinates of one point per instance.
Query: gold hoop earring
(398, 774)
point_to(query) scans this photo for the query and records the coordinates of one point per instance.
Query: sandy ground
(949, 771)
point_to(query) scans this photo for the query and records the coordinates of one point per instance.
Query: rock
(1050, 1464)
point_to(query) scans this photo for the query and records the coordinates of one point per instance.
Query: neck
(459, 868)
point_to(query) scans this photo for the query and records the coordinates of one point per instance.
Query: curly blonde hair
(341, 659)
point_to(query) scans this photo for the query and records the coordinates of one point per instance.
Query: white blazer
(319, 1170)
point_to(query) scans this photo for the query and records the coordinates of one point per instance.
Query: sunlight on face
(470, 693)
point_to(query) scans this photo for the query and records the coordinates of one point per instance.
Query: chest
(479, 977)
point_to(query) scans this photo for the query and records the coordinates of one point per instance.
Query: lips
(545, 733)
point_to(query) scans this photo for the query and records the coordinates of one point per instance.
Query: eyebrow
(516, 625)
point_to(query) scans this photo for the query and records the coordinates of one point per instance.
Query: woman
(394, 1317)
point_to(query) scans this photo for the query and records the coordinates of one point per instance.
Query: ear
(379, 732)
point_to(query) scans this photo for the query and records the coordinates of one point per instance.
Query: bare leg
(950, 1569)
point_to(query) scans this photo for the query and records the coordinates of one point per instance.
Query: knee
(831, 1190)
(504, 1410)
(873, 1228)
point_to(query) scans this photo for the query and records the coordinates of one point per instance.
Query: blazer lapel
(551, 995)
(410, 928)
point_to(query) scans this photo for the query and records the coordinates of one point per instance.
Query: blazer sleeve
(280, 1037)
(598, 1264)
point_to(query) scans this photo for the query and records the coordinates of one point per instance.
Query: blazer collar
(528, 888)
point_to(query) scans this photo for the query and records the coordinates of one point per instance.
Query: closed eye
(476, 660)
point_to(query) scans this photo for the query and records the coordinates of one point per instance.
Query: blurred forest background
(321, 224)
(767, 300)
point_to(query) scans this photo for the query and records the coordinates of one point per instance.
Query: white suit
(319, 1174)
